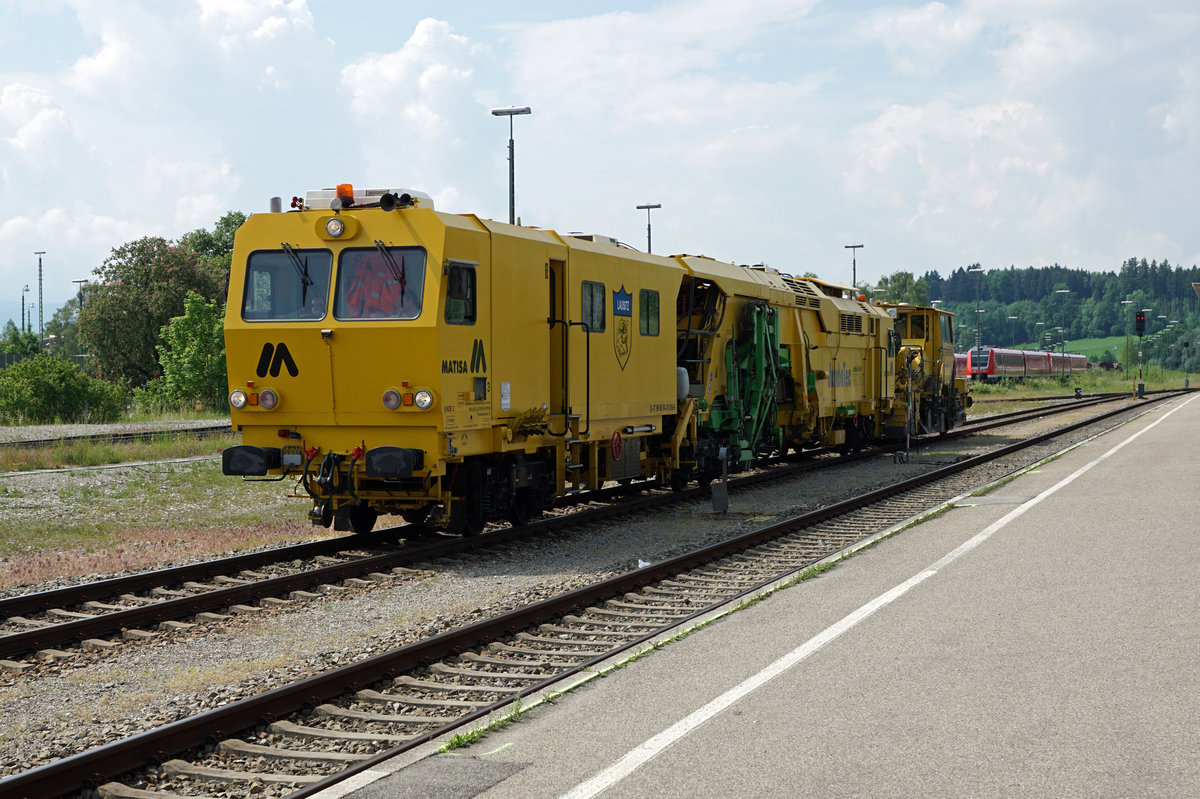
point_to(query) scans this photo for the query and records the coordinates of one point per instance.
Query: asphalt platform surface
(1041, 640)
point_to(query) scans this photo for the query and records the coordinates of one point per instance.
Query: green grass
(1095, 381)
(164, 502)
(1093, 348)
(462, 739)
(164, 446)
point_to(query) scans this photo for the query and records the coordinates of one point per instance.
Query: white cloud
(920, 41)
(432, 61)
(415, 109)
(242, 21)
(667, 66)
(1048, 53)
(37, 126)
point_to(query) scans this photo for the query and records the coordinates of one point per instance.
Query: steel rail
(187, 606)
(14, 645)
(118, 437)
(93, 767)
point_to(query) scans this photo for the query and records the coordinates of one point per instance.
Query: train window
(380, 283)
(916, 326)
(593, 306)
(947, 329)
(286, 285)
(648, 312)
(460, 294)
(901, 327)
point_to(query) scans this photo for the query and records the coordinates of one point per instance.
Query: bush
(155, 400)
(49, 389)
(193, 356)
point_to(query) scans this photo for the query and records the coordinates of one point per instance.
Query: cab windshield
(286, 284)
(380, 283)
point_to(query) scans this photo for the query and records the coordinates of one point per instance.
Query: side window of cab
(592, 300)
(460, 293)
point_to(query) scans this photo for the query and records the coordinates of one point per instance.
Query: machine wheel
(466, 518)
(362, 519)
(525, 509)
(466, 514)
(322, 514)
(416, 515)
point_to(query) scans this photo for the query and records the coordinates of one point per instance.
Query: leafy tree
(141, 287)
(18, 342)
(193, 354)
(48, 389)
(902, 287)
(62, 331)
(215, 247)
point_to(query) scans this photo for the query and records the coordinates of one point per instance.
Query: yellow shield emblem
(622, 325)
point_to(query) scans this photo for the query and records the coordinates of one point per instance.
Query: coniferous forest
(1026, 307)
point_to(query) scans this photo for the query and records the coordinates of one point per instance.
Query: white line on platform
(651, 748)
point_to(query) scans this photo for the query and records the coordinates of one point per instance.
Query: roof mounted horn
(390, 202)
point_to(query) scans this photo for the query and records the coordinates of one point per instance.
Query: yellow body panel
(519, 375)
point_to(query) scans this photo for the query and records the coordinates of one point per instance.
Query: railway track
(118, 437)
(296, 739)
(100, 615)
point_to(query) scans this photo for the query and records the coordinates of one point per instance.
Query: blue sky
(1004, 132)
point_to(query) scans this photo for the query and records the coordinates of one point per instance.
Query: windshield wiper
(397, 270)
(301, 270)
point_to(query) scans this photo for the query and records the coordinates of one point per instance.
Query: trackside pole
(908, 422)
(720, 489)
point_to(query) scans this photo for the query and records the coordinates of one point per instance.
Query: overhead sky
(935, 134)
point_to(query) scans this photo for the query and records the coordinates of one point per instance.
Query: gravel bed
(61, 708)
(53, 432)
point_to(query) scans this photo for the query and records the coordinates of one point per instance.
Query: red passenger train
(990, 364)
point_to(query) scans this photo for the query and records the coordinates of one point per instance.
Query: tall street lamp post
(1125, 354)
(512, 192)
(978, 311)
(1063, 338)
(41, 328)
(1141, 387)
(854, 248)
(80, 282)
(647, 209)
(1013, 330)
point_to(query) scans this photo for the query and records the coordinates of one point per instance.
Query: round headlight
(335, 227)
(268, 399)
(391, 399)
(237, 398)
(423, 399)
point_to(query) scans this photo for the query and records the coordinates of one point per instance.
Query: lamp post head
(648, 206)
(511, 112)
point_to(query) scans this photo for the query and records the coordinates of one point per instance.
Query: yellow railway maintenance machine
(396, 359)
(930, 396)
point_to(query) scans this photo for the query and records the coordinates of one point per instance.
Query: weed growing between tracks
(518, 709)
(463, 739)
